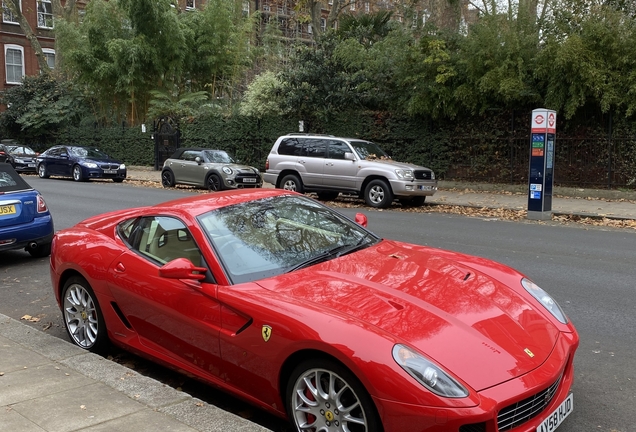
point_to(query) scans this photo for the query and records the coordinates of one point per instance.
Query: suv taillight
(267, 164)
(41, 205)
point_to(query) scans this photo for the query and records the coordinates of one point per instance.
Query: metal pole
(609, 163)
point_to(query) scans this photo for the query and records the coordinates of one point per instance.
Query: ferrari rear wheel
(83, 317)
(323, 395)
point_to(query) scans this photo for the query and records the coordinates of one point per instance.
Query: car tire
(83, 316)
(78, 176)
(214, 183)
(327, 195)
(291, 182)
(42, 171)
(378, 194)
(40, 251)
(167, 179)
(311, 400)
(413, 202)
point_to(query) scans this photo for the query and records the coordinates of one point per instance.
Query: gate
(167, 139)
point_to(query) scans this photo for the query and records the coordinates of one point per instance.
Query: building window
(7, 15)
(49, 55)
(14, 63)
(353, 6)
(190, 4)
(309, 29)
(45, 14)
(367, 7)
(323, 24)
(246, 8)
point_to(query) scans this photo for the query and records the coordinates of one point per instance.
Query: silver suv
(330, 165)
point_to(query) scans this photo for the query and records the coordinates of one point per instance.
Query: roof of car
(177, 154)
(10, 180)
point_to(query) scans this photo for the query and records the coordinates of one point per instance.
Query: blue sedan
(81, 163)
(25, 220)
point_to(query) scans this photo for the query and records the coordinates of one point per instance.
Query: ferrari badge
(266, 332)
(530, 353)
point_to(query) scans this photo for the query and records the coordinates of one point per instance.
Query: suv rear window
(290, 147)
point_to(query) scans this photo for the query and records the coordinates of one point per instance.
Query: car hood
(237, 167)
(101, 160)
(396, 164)
(442, 303)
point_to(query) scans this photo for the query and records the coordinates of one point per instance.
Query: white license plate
(557, 416)
(31, 165)
(424, 187)
(249, 180)
(110, 171)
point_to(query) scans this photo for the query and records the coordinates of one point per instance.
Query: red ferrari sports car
(305, 313)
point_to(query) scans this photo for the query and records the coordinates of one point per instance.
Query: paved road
(590, 271)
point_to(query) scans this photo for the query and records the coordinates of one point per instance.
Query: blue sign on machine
(541, 173)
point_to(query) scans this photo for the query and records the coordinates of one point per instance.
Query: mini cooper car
(81, 163)
(286, 303)
(25, 220)
(212, 169)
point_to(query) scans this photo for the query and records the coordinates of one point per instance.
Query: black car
(4, 153)
(21, 158)
(81, 163)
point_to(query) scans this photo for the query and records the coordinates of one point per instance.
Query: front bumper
(413, 188)
(399, 417)
(97, 173)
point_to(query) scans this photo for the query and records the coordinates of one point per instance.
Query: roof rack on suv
(309, 134)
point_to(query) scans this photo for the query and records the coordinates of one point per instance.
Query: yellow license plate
(7, 210)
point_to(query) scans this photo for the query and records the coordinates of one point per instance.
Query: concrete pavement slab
(143, 421)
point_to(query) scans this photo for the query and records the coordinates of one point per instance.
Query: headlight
(545, 299)
(122, 166)
(227, 170)
(90, 164)
(428, 373)
(432, 175)
(404, 174)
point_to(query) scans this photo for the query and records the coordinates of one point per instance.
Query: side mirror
(182, 268)
(197, 160)
(349, 156)
(361, 219)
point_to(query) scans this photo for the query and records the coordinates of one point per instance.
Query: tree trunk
(14, 7)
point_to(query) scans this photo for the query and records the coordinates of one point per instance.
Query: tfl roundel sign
(543, 121)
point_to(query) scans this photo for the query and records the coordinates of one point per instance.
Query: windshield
(271, 236)
(218, 156)
(368, 150)
(90, 153)
(21, 150)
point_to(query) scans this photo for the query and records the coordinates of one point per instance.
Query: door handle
(119, 268)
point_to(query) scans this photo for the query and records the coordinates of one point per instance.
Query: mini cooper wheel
(213, 182)
(83, 317)
(291, 182)
(167, 179)
(42, 172)
(323, 395)
(78, 176)
(378, 194)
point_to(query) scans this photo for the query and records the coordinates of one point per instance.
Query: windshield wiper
(335, 252)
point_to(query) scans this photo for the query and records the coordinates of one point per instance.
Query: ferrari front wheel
(83, 317)
(323, 395)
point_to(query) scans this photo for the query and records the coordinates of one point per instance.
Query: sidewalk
(47, 384)
(594, 203)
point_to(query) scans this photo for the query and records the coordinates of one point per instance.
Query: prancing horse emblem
(266, 331)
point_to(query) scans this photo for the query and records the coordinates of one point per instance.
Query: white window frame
(246, 7)
(194, 5)
(353, 6)
(6, 65)
(309, 29)
(323, 24)
(42, 15)
(49, 51)
(367, 7)
(6, 11)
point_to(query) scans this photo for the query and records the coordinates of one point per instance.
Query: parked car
(283, 301)
(330, 165)
(213, 169)
(4, 153)
(81, 163)
(25, 220)
(22, 158)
